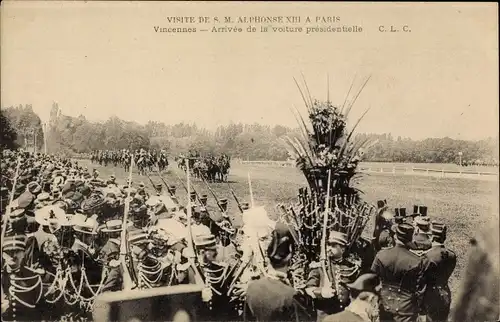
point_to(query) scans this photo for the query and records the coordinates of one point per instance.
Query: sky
(104, 58)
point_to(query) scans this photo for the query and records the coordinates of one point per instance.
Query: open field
(464, 205)
(418, 169)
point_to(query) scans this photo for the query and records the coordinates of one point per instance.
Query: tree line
(74, 135)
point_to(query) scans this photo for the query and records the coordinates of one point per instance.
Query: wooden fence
(392, 170)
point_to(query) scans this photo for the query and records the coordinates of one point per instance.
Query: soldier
(272, 298)
(22, 285)
(400, 215)
(197, 227)
(422, 239)
(215, 275)
(112, 181)
(334, 297)
(364, 294)
(109, 255)
(223, 205)
(383, 223)
(437, 298)
(403, 275)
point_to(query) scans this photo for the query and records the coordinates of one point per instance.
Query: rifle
(323, 258)
(213, 194)
(7, 212)
(165, 183)
(235, 198)
(127, 279)
(192, 258)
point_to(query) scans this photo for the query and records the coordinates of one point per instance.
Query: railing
(392, 170)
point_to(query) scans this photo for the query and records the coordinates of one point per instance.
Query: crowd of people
(69, 235)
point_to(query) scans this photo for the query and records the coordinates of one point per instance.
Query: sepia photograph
(249, 161)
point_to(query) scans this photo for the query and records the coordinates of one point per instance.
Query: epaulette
(314, 265)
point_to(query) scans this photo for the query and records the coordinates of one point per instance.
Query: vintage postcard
(264, 161)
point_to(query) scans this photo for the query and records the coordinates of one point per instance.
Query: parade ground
(465, 206)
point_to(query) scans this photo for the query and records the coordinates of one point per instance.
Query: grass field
(464, 205)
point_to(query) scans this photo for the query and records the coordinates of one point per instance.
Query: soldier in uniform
(383, 223)
(215, 275)
(22, 286)
(334, 297)
(223, 204)
(422, 239)
(110, 255)
(403, 275)
(272, 298)
(437, 298)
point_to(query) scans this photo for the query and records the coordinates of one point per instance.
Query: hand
(206, 294)
(5, 305)
(240, 289)
(327, 292)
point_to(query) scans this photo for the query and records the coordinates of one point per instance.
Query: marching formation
(144, 160)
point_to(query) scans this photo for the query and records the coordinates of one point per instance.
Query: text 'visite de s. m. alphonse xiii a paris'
(235, 24)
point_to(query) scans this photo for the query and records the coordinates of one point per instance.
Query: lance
(198, 277)
(127, 279)
(235, 198)
(7, 213)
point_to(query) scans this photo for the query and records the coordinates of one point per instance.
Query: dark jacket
(437, 298)
(270, 299)
(403, 275)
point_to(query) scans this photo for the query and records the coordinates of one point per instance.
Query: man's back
(270, 299)
(402, 275)
(443, 261)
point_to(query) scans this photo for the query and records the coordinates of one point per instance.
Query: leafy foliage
(26, 123)
(9, 134)
(327, 147)
(71, 135)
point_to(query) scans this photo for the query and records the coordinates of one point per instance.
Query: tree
(9, 135)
